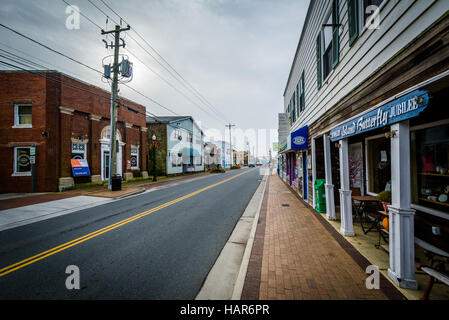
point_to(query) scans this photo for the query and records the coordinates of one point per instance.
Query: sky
(237, 55)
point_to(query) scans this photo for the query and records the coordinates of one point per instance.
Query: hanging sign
(406, 107)
(299, 139)
(80, 168)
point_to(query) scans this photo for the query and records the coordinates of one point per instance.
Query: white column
(330, 203)
(346, 227)
(313, 171)
(401, 216)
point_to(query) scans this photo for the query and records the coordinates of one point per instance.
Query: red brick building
(63, 118)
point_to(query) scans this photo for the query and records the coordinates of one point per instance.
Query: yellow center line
(64, 246)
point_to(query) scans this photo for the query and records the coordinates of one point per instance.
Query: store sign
(80, 168)
(406, 107)
(299, 139)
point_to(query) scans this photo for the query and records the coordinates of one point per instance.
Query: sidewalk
(297, 254)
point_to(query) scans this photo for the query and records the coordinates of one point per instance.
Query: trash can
(116, 183)
(320, 195)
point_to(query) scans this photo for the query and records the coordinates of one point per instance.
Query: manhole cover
(285, 205)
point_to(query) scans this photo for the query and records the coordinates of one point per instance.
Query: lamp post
(154, 146)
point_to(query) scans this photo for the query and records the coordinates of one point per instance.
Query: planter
(385, 205)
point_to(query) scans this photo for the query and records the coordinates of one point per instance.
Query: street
(164, 253)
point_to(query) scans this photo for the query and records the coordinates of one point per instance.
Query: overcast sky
(236, 53)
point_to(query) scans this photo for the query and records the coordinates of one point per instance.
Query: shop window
(22, 116)
(378, 164)
(22, 162)
(78, 151)
(429, 165)
(134, 157)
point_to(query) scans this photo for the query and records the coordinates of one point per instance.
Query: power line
(185, 83)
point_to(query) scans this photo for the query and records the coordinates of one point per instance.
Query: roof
(166, 119)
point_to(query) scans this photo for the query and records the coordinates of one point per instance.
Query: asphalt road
(166, 253)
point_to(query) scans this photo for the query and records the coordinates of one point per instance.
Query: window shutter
(335, 33)
(318, 60)
(298, 96)
(353, 20)
(303, 92)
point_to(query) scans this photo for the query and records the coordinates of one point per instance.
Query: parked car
(251, 165)
(258, 163)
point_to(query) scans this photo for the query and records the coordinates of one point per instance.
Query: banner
(80, 168)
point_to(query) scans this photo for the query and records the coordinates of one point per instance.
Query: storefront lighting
(391, 134)
(337, 145)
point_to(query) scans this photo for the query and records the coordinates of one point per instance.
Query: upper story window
(22, 116)
(189, 137)
(328, 44)
(301, 93)
(362, 13)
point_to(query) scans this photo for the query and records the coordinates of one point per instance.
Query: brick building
(63, 118)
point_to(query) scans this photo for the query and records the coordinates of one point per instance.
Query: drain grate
(285, 205)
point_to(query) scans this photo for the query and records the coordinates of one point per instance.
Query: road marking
(18, 265)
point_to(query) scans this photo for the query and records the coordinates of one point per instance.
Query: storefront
(399, 145)
(295, 155)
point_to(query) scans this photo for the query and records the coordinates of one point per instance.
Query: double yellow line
(65, 246)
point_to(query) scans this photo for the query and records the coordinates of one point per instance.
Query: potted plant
(385, 198)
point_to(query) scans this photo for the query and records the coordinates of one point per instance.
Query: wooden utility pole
(230, 139)
(114, 100)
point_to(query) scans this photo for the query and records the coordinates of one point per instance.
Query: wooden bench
(435, 277)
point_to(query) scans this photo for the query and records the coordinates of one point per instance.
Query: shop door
(356, 166)
(304, 176)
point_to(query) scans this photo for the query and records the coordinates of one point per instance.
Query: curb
(130, 194)
(233, 259)
(240, 281)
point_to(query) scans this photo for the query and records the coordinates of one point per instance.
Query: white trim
(21, 174)
(430, 125)
(65, 110)
(433, 212)
(22, 126)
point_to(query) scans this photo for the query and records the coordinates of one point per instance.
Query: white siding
(400, 23)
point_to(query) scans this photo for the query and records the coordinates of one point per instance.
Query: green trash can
(320, 195)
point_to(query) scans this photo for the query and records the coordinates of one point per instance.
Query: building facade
(52, 118)
(368, 84)
(180, 144)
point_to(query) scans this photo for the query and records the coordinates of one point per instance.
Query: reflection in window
(379, 165)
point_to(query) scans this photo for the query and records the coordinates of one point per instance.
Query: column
(94, 153)
(313, 171)
(65, 175)
(143, 151)
(346, 227)
(401, 216)
(330, 203)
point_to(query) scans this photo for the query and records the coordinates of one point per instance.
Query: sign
(80, 168)
(299, 139)
(406, 107)
(33, 159)
(275, 147)
(32, 151)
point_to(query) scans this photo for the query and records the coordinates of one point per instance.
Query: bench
(435, 276)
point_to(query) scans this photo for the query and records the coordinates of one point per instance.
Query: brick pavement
(296, 256)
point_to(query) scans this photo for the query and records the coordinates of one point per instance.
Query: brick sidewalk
(296, 255)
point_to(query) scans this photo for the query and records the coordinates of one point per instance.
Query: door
(105, 172)
(304, 175)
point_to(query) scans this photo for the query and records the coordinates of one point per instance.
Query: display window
(378, 158)
(429, 166)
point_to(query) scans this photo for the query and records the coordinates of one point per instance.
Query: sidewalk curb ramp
(227, 276)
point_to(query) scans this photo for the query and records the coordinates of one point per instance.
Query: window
(134, 157)
(429, 165)
(301, 93)
(189, 137)
(328, 44)
(22, 116)
(378, 164)
(360, 14)
(22, 162)
(78, 151)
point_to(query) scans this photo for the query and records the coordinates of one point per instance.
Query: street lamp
(154, 146)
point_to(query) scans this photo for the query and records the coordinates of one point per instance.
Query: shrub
(217, 170)
(235, 167)
(384, 196)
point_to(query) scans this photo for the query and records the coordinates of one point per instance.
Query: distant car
(251, 165)
(258, 163)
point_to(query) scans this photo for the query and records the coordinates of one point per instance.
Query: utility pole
(114, 100)
(230, 139)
